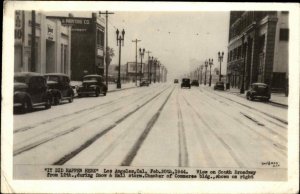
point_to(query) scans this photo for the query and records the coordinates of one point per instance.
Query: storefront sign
(18, 27)
(74, 21)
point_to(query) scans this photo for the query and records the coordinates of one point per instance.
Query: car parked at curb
(175, 81)
(92, 85)
(185, 83)
(195, 83)
(259, 91)
(219, 86)
(144, 83)
(30, 90)
(60, 88)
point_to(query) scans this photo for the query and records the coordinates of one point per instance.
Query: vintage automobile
(30, 90)
(219, 86)
(144, 83)
(60, 88)
(195, 83)
(259, 91)
(175, 81)
(186, 83)
(92, 85)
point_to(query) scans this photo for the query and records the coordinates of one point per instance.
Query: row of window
(235, 54)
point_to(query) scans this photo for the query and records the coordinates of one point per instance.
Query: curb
(115, 90)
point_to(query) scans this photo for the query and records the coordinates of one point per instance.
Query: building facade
(87, 44)
(258, 49)
(51, 50)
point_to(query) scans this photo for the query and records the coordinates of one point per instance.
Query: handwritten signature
(270, 163)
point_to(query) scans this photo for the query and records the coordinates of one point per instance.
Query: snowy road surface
(159, 125)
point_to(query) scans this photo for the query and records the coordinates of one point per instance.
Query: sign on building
(131, 68)
(18, 27)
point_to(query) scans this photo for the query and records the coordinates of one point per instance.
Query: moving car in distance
(144, 83)
(219, 86)
(175, 81)
(185, 83)
(259, 91)
(195, 83)
(92, 85)
(60, 88)
(30, 90)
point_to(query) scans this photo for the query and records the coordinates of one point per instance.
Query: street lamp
(151, 69)
(220, 58)
(120, 41)
(206, 65)
(155, 64)
(201, 68)
(210, 64)
(142, 52)
(159, 66)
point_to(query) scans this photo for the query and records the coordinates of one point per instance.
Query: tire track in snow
(132, 153)
(183, 153)
(228, 148)
(278, 147)
(90, 141)
(22, 129)
(267, 114)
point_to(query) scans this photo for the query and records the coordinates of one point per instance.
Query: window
(284, 34)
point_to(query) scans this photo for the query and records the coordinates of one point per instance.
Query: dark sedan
(259, 91)
(59, 86)
(195, 83)
(92, 85)
(219, 86)
(186, 83)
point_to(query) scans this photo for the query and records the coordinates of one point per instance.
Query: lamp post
(159, 65)
(142, 52)
(151, 69)
(201, 68)
(120, 40)
(206, 65)
(155, 63)
(210, 64)
(220, 58)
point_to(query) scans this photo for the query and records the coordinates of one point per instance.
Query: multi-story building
(258, 48)
(51, 49)
(87, 44)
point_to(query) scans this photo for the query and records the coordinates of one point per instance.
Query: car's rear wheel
(97, 92)
(26, 106)
(48, 103)
(56, 100)
(71, 98)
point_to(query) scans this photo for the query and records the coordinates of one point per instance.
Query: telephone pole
(148, 52)
(136, 41)
(106, 45)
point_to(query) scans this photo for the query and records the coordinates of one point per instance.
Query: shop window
(284, 34)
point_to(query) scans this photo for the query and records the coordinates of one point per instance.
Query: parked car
(219, 86)
(258, 91)
(92, 85)
(30, 90)
(144, 83)
(185, 83)
(175, 81)
(195, 83)
(60, 88)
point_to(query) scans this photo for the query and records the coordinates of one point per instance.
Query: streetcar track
(228, 148)
(22, 129)
(90, 141)
(261, 135)
(132, 153)
(269, 115)
(183, 152)
(62, 133)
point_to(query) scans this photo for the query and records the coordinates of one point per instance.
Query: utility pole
(148, 52)
(136, 41)
(106, 45)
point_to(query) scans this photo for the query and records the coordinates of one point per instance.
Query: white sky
(181, 41)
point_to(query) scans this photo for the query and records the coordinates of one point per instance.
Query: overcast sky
(181, 41)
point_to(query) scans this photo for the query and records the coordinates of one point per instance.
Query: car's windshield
(52, 78)
(20, 79)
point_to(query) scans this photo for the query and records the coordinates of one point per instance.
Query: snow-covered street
(159, 125)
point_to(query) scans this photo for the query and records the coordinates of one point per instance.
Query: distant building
(113, 71)
(266, 37)
(87, 44)
(52, 44)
